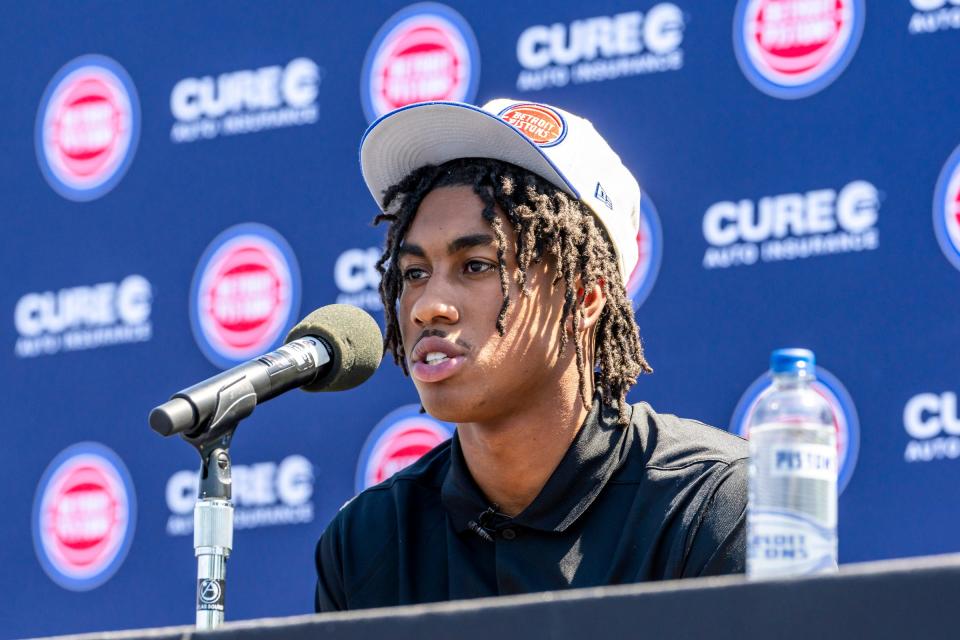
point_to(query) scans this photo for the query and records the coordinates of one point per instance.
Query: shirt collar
(595, 454)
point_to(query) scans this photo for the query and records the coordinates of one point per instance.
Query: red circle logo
(792, 48)
(649, 251)
(245, 293)
(946, 209)
(399, 440)
(87, 128)
(540, 123)
(643, 257)
(426, 52)
(83, 520)
(792, 38)
(951, 209)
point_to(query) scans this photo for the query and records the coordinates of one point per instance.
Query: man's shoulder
(422, 480)
(697, 475)
(671, 442)
(364, 537)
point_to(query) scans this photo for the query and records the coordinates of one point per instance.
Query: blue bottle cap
(792, 360)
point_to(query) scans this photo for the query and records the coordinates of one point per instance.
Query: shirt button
(508, 534)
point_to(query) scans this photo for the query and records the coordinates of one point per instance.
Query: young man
(512, 230)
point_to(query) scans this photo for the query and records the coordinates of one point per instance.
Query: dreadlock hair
(547, 223)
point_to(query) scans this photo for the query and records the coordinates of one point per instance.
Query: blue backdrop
(181, 184)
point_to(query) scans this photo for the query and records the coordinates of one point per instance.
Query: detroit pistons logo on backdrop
(87, 127)
(946, 209)
(398, 440)
(795, 48)
(83, 516)
(245, 292)
(649, 253)
(845, 419)
(543, 125)
(425, 52)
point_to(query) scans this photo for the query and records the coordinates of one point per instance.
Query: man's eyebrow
(407, 249)
(472, 240)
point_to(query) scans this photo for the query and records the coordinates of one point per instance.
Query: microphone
(335, 348)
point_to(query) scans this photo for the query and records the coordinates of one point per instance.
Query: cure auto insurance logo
(399, 439)
(87, 127)
(245, 291)
(795, 48)
(649, 253)
(83, 516)
(946, 209)
(845, 419)
(424, 52)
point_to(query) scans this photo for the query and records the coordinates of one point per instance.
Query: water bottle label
(815, 461)
(788, 544)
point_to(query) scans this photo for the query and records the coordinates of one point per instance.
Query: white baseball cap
(555, 144)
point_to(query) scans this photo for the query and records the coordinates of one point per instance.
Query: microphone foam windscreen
(355, 339)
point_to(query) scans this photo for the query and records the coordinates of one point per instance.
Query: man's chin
(448, 403)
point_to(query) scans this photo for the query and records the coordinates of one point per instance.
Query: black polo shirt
(661, 498)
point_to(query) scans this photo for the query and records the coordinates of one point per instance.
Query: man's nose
(436, 304)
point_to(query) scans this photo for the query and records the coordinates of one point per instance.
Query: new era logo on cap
(602, 196)
(557, 145)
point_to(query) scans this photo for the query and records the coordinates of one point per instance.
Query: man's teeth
(435, 357)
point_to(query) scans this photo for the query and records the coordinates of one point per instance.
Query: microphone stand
(342, 359)
(213, 512)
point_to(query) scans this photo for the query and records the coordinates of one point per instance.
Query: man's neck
(512, 458)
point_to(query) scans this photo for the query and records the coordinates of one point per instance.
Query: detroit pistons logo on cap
(245, 292)
(649, 253)
(424, 52)
(946, 209)
(399, 439)
(543, 125)
(845, 419)
(83, 516)
(794, 48)
(87, 127)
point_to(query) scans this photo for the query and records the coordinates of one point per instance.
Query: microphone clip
(481, 526)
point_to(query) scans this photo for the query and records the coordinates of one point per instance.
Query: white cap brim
(431, 133)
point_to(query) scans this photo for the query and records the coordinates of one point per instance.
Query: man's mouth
(435, 359)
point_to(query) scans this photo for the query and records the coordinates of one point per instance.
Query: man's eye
(477, 266)
(414, 273)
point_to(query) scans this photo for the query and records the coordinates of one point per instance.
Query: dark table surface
(910, 598)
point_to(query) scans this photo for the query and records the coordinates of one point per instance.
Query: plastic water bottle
(792, 509)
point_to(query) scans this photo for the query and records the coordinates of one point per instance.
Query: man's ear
(592, 303)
